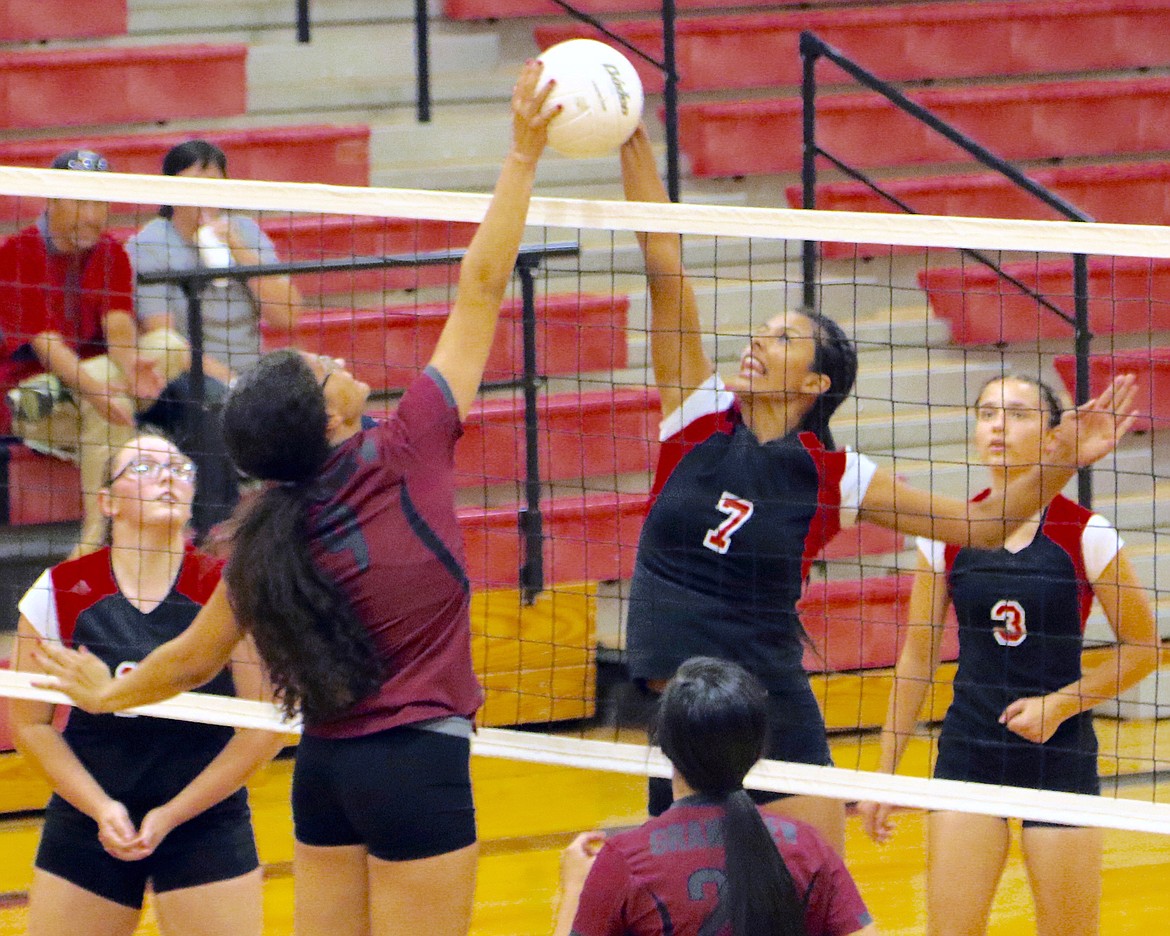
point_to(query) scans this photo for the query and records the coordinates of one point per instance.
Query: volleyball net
(932, 325)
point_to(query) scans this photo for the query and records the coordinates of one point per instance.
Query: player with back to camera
(713, 863)
(347, 570)
(135, 799)
(1022, 710)
(749, 487)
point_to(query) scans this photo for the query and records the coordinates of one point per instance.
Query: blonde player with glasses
(1022, 713)
(137, 800)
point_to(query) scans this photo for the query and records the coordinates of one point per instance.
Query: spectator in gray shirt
(189, 238)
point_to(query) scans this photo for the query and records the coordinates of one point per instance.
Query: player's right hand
(875, 819)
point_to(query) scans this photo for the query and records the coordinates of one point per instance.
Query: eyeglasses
(329, 366)
(89, 161)
(146, 470)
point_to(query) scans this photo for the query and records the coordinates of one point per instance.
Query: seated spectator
(756, 872)
(187, 238)
(72, 367)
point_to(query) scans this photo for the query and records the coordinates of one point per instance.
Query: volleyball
(600, 93)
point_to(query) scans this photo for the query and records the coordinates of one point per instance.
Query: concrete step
(258, 18)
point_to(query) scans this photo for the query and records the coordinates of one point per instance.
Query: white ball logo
(600, 93)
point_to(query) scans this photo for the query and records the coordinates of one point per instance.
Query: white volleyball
(600, 94)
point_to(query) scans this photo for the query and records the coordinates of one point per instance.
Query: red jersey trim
(826, 522)
(78, 585)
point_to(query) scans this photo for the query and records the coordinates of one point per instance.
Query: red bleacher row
(1057, 119)
(899, 42)
(36, 20)
(509, 9)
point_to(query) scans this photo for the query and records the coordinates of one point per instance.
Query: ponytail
(319, 656)
(761, 895)
(711, 724)
(836, 358)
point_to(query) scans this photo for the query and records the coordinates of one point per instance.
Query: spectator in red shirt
(713, 863)
(71, 363)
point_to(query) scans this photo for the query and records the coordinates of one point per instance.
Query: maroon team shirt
(385, 529)
(665, 877)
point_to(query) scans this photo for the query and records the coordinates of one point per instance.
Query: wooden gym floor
(527, 813)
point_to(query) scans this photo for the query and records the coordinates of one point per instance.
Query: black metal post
(531, 520)
(422, 56)
(193, 289)
(809, 53)
(1084, 340)
(670, 98)
(302, 20)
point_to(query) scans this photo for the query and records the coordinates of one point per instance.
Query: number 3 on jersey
(738, 511)
(1012, 632)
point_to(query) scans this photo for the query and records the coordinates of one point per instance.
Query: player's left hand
(1093, 429)
(156, 825)
(1033, 718)
(77, 673)
(578, 858)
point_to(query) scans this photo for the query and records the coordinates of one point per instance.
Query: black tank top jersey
(141, 762)
(1021, 623)
(726, 547)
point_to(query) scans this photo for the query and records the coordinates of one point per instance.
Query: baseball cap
(81, 159)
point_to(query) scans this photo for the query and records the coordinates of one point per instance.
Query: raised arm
(676, 341)
(467, 337)
(188, 661)
(1085, 435)
(913, 677)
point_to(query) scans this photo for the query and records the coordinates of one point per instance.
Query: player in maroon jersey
(348, 572)
(712, 864)
(136, 799)
(1022, 708)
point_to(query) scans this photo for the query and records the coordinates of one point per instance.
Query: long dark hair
(712, 722)
(836, 358)
(1049, 399)
(192, 153)
(319, 656)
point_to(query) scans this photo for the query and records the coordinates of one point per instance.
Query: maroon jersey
(384, 528)
(665, 878)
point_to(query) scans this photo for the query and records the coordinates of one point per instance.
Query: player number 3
(738, 511)
(1012, 632)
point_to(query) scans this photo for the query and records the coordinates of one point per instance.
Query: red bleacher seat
(1129, 193)
(590, 538)
(37, 488)
(300, 238)
(387, 347)
(902, 42)
(36, 20)
(510, 9)
(1059, 119)
(336, 155)
(1126, 295)
(582, 435)
(860, 623)
(1152, 367)
(127, 84)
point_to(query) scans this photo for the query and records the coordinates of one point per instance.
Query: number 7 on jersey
(738, 511)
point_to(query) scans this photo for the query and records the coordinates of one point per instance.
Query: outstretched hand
(77, 673)
(1093, 429)
(530, 115)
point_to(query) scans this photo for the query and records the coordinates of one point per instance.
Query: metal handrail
(812, 49)
(528, 260)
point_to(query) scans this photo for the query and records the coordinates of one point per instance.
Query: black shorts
(404, 793)
(1064, 764)
(796, 733)
(216, 845)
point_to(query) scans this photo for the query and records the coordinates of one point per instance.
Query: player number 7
(738, 512)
